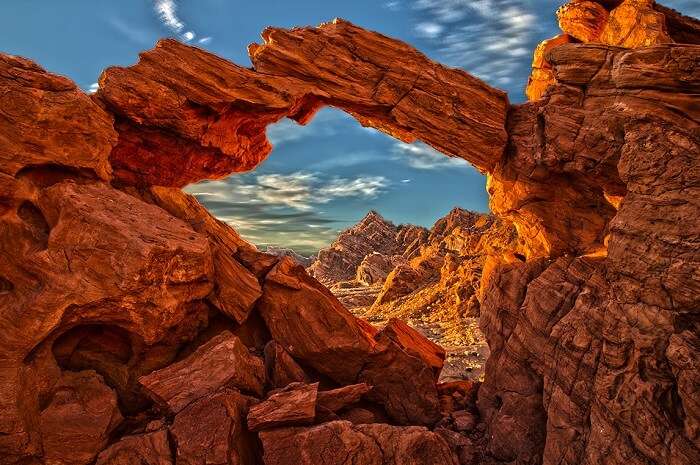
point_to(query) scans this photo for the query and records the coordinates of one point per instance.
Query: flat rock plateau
(135, 328)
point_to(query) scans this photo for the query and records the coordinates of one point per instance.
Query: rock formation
(373, 234)
(119, 293)
(432, 280)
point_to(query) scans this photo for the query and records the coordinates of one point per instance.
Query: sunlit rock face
(112, 279)
(628, 24)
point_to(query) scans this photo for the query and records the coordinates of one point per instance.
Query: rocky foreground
(137, 329)
(427, 277)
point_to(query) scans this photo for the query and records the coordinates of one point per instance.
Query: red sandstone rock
(463, 420)
(77, 422)
(212, 430)
(79, 253)
(292, 405)
(403, 383)
(383, 90)
(415, 344)
(143, 449)
(223, 361)
(373, 269)
(402, 281)
(335, 344)
(364, 415)
(542, 76)
(237, 289)
(281, 368)
(337, 399)
(341, 442)
(635, 23)
(593, 337)
(217, 126)
(583, 20)
(457, 395)
(48, 121)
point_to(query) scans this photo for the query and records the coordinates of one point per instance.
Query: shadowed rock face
(593, 338)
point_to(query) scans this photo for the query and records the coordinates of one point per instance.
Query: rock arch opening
(377, 220)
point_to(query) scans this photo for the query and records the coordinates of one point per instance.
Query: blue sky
(325, 176)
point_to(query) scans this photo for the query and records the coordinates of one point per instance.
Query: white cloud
(167, 13)
(293, 190)
(491, 39)
(285, 209)
(300, 191)
(423, 157)
(366, 187)
(429, 29)
(93, 88)
(204, 40)
(405, 181)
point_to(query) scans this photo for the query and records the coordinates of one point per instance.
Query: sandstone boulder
(583, 20)
(77, 422)
(366, 414)
(312, 325)
(79, 252)
(281, 368)
(237, 289)
(142, 449)
(292, 405)
(340, 398)
(341, 442)
(373, 269)
(415, 344)
(48, 121)
(402, 280)
(212, 430)
(222, 361)
(633, 24)
(542, 75)
(403, 383)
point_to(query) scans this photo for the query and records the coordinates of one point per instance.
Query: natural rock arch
(593, 338)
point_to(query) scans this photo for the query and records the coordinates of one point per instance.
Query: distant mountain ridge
(287, 252)
(376, 262)
(373, 233)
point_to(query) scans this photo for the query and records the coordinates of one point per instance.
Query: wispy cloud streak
(423, 157)
(491, 39)
(167, 13)
(284, 209)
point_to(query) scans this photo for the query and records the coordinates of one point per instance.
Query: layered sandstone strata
(114, 284)
(626, 23)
